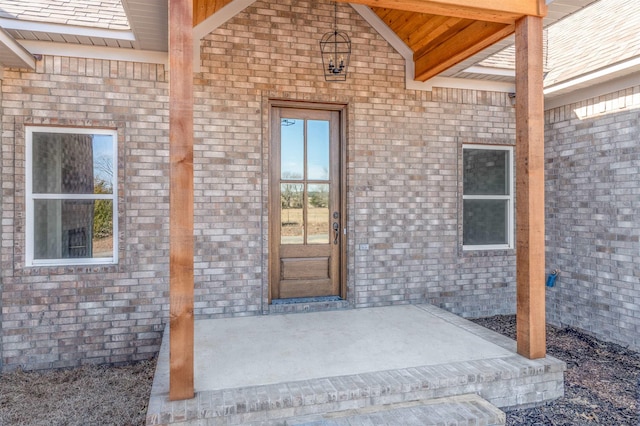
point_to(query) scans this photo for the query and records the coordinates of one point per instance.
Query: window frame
(30, 198)
(510, 198)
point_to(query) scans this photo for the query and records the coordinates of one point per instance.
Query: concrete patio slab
(277, 366)
(250, 351)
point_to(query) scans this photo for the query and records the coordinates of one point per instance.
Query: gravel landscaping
(601, 388)
(601, 381)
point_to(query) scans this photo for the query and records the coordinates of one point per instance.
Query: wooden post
(530, 274)
(181, 199)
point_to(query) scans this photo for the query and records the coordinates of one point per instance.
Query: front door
(305, 212)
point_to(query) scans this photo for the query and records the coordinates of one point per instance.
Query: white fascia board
(502, 72)
(592, 91)
(404, 50)
(622, 67)
(214, 21)
(95, 52)
(17, 50)
(462, 83)
(76, 30)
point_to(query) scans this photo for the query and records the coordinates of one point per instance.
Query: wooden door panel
(305, 288)
(305, 203)
(305, 268)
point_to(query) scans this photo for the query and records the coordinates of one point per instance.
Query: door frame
(342, 182)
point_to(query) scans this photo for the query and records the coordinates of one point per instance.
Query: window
(487, 197)
(71, 196)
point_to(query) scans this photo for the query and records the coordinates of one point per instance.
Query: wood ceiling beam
(502, 11)
(474, 38)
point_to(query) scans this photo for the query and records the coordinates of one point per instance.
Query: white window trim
(30, 198)
(510, 199)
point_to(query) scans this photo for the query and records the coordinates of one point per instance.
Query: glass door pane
(304, 165)
(292, 149)
(292, 213)
(318, 214)
(317, 150)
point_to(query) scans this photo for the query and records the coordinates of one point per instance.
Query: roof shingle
(108, 14)
(599, 35)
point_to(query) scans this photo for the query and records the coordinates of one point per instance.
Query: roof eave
(13, 55)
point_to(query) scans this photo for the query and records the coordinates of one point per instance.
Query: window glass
(485, 222)
(486, 172)
(72, 164)
(65, 229)
(487, 211)
(71, 200)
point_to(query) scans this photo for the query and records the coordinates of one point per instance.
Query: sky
(102, 147)
(292, 151)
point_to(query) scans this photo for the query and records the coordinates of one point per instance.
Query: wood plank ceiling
(439, 42)
(202, 9)
(441, 33)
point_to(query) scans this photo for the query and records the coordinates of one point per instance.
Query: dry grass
(88, 395)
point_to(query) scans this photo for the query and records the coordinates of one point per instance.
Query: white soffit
(145, 41)
(65, 33)
(148, 20)
(95, 52)
(73, 30)
(590, 92)
(603, 81)
(13, 55)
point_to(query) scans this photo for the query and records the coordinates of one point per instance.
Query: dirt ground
(601, 388)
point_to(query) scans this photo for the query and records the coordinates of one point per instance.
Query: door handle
(336, 232)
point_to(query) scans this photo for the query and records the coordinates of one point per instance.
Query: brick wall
(404, 185)
(404, 151)
(593, 230)
(60, 316)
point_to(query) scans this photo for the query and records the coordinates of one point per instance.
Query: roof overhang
(443, 33)
(12, 54)
(447, 64)
(148, 21)
(620, 76)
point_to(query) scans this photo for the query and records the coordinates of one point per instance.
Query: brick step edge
(469, 409)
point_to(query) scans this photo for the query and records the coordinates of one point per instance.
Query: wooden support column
(530, 274)
(181, 199)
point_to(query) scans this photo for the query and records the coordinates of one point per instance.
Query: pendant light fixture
(335, 47)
